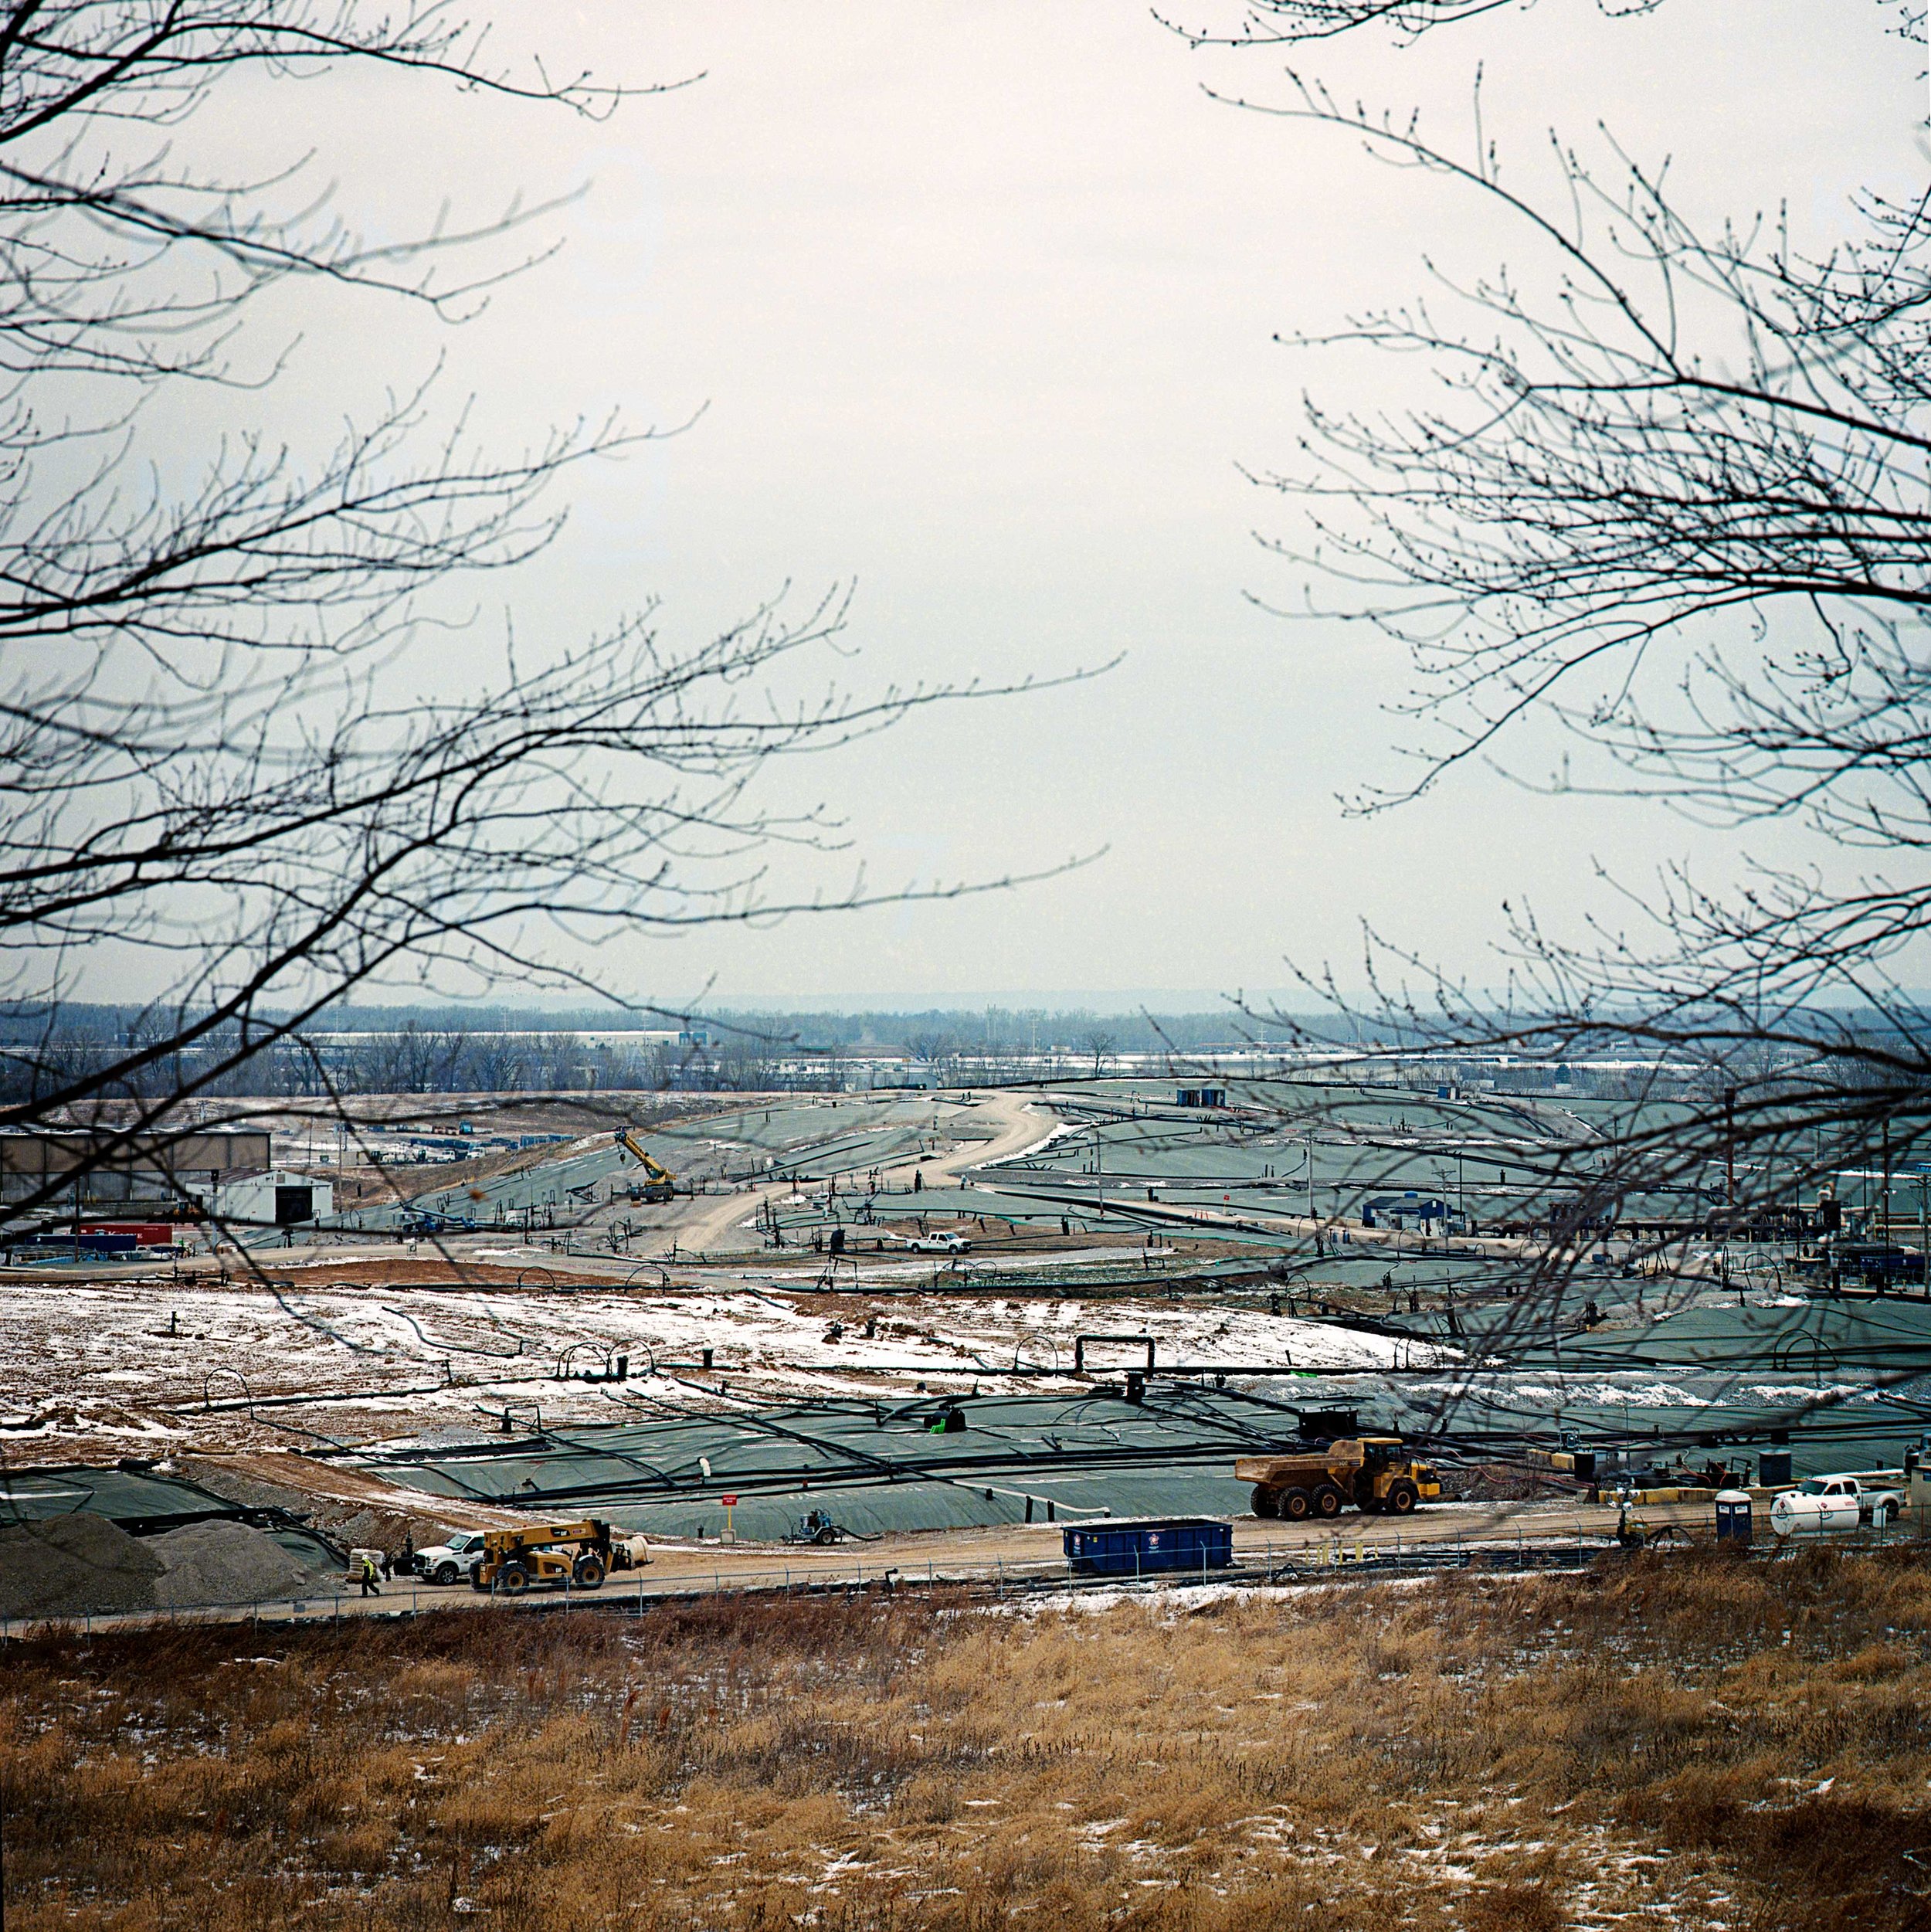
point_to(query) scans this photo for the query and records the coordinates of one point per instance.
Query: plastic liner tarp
(1661, 1413)
(140, 1503)
(883, 1509)
(933, 1463)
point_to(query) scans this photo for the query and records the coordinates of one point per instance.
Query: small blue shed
(1143, 1549)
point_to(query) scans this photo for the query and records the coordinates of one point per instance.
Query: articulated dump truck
(1371, 1472)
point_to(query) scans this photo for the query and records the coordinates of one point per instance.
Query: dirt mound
(226, 1562)
(71, 1566)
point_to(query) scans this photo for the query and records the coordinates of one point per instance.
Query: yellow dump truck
(1371, 1472)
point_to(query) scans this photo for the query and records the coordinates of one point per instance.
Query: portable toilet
(1733, 1519)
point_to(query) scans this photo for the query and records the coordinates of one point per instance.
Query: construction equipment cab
(659, 1183)
(558, 1555)
(1371, 1472)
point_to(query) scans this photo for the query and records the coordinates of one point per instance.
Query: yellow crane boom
(658, 1183)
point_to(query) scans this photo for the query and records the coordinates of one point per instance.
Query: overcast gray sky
(979, 302)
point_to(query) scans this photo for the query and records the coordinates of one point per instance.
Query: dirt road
(1022, 1123)
(1018, 1554)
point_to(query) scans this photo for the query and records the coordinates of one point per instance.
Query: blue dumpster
(1142, 1549)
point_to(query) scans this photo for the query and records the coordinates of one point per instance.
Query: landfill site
(736, 1339)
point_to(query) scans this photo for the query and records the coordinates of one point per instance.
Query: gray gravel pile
(71, 1566)
(225, 1563)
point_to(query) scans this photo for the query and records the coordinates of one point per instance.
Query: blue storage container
(1142, 1549)
(102, 1247)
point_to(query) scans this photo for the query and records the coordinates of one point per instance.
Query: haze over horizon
(986, 320)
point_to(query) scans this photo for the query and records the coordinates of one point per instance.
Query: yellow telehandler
(578, 1555)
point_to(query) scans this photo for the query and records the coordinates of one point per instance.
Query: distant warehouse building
(107, 1169)
(159, 1177)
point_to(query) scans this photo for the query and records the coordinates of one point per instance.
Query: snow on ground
(96, 1370)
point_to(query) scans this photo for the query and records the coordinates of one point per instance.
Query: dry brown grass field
(1689, 1742)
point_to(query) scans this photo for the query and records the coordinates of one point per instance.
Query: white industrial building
(277, 1198)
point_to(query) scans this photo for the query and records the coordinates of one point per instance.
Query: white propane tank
(1797, 1513)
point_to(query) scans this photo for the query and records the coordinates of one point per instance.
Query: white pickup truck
(451, 1562)
(1827, 1503)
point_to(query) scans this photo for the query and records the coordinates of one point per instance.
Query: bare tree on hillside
(226, 773)
(1669, 495)
(1099, 1043)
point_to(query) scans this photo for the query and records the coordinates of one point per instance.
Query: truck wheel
(1328, 1500)
(1296, 1504)
(1403, 1495)
(476, 1577)
(1266, 1504)
(589, 1572)
(445, 1573)
(513, 1579)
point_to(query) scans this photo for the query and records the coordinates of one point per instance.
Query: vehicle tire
(1296, 1504)
(445, 1573)
(1402, 1497)
(513, 1579)
(589, 1572)
(1266, 1501)
(1327, 1501)
(825, 1532)
(476, 1577)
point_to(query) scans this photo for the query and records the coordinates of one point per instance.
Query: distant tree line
(416, 1058)
(464, 1050)
(473, 1050)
